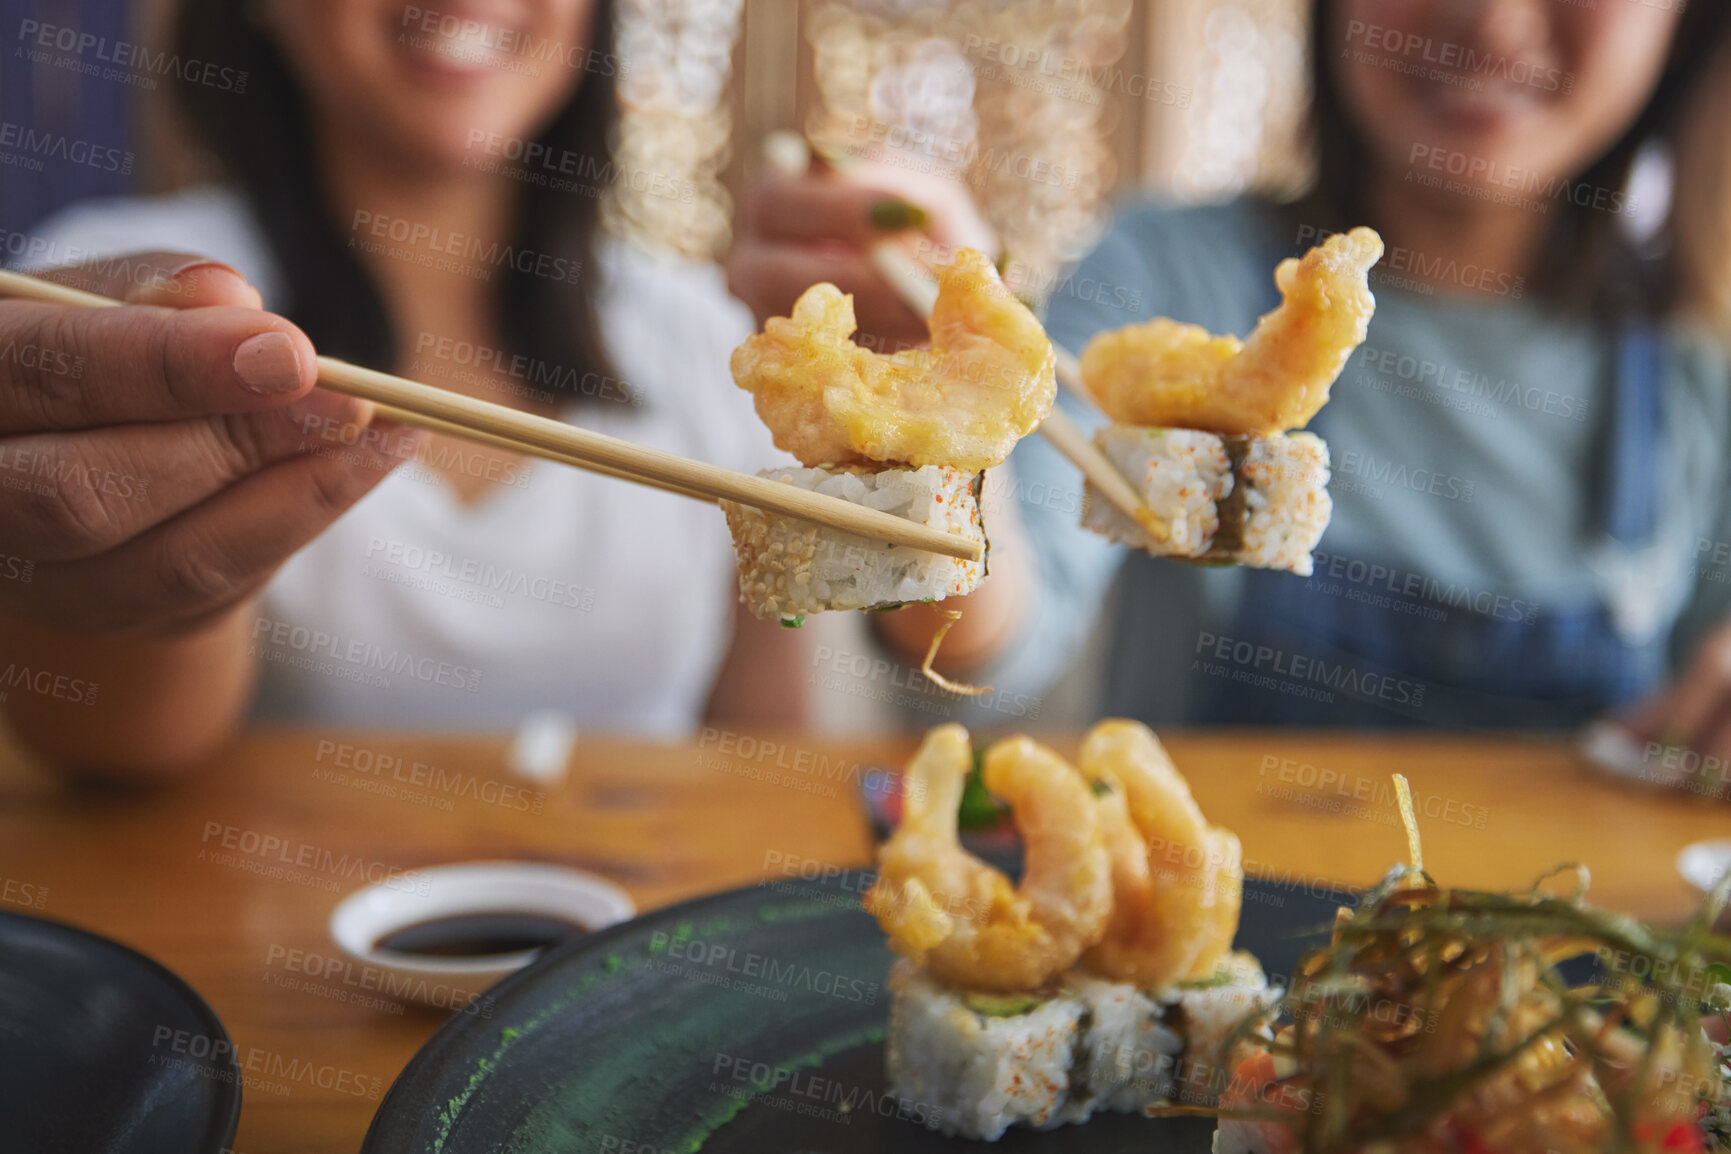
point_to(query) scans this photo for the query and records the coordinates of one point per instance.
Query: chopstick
(566, 444)
(919, 291)
(475, 436)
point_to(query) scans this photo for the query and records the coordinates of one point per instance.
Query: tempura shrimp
(1167, 374)
(951, 912)
(1177, 882)
(986, 381)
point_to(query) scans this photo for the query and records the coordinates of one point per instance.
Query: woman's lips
(1464, 101)
(466, 56)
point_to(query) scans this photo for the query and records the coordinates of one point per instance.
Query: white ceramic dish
(367, 915)
(1703, 864)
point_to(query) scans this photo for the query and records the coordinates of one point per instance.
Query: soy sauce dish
(443, 934)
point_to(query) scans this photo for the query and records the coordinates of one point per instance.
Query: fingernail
(268, 364)
(177, 280)
(897, 216)
(169, 280)
(196, 265)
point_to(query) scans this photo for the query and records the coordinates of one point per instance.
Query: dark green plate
(751, 1021)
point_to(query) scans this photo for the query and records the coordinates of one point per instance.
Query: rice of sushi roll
(980, 1063)
(1207, 1015)
(1256, 501)
(789, 567)
(1129, 1054)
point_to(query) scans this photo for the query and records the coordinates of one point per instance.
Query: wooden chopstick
(556, 441)
(475, 436)
(567, 444)
(1069, 440)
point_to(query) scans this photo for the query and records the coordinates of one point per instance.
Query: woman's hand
(820, 225)
(1691, 715)
(160, 461)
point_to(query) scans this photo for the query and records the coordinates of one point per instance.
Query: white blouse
(605, 601)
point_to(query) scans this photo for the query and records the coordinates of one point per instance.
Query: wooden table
(671, 822)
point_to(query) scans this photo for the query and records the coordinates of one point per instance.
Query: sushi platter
(659, 1033)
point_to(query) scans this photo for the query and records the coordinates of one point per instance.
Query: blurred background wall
(64, 101)
(1047, 109)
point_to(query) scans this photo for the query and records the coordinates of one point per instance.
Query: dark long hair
(1587, 262)
(263, 139)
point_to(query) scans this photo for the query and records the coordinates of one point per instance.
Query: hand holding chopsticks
(552, 440)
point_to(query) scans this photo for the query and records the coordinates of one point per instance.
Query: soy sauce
(480, 935)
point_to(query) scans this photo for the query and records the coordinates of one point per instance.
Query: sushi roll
(1143, 1049)
(1256, 501)
(980, 1062)
(1076, 991)
(1204, 424)
(789, 568)
(1208, 1016)
(908, 433)
(1129, 1054)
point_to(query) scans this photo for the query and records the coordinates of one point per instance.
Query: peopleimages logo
(46, 683)
(91, 52)
(36, 146)
(1238, 656)
(1428, 269)
(479, 574)
(544, 164)
(512, 42)
(1429, 165)
(278, 641)
(370, 229)
(221, 1060)
(1451, 57)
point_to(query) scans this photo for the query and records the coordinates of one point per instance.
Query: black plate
(648, 1037)
(97, 1050)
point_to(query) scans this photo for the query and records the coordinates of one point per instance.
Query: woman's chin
(452, 133)
(448, 147)
(463, 124)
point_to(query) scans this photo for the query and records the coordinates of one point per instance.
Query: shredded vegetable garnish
(951, 616)
(1409, 818)
(1440, 1020)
